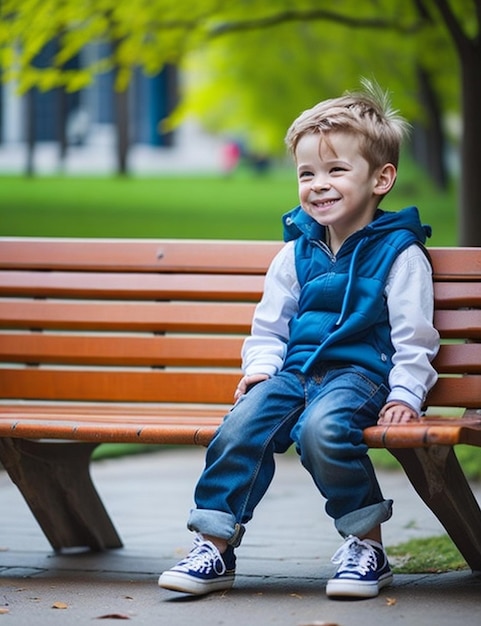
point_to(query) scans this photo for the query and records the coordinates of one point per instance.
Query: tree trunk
(122, 126)
(432, 152)
(470, 187)
(30, 131)
(62, 127)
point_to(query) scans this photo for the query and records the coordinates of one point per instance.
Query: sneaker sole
(345, 588)
(176, 581)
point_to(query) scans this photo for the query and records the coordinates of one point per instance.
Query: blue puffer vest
(343, 314)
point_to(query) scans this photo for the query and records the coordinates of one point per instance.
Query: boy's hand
(396, 413)
(246, 382)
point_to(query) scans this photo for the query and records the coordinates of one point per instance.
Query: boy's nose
(320, 185)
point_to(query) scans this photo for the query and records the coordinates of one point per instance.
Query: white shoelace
(355, 555)
(204, 557)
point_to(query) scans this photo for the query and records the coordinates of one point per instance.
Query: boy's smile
(325, 204)
(336, 186)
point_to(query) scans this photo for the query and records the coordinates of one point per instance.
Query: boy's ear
(385, 179)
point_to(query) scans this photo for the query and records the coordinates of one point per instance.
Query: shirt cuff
(403, 395)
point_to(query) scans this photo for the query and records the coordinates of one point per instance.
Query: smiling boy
(343, 337)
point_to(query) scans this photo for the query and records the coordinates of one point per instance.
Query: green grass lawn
(244, 206)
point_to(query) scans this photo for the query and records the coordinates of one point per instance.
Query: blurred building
(77, 132)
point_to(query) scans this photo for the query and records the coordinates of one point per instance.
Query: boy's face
(336, 187)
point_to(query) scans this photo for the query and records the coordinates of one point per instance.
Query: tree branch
(452, 24)
(292, 15)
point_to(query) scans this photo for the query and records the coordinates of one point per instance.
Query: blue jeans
(323, 414)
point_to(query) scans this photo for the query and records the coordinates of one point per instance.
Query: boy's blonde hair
(367, 114)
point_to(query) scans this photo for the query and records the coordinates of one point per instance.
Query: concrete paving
(282, 566)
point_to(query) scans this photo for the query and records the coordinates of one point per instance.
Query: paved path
(283, 563)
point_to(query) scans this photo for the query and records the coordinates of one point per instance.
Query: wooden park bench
(139, 341)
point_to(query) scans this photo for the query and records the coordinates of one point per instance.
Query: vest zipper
(323, 246)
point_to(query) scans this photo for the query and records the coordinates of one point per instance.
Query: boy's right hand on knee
(246, 382)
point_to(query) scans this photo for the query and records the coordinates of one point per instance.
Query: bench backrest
(163, 321)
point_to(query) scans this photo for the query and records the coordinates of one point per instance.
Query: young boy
(342, 338)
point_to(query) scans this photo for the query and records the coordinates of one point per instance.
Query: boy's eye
(338, 168)
(306, 174)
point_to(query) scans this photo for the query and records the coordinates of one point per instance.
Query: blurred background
(166, 118)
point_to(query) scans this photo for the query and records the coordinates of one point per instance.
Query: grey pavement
(282, 566)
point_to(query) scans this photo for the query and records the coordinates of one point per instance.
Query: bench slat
(462, 392)
(150, 316)
(125, 410)
(429, 431)
(170, 386)
(155, 350)
(121, 351)
(232, 317)
(178, 286)
(458, 324)
(116, 255)
(119, 386)
(453, 295)
(131, 286)
(185, 255)
(158, 415)
(455, 264)
(458, 359)
(176, 433)
(181, 286)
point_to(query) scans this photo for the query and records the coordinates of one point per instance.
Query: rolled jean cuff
(360, 522)
(216, 524)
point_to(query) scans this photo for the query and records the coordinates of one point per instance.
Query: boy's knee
(327, 439)
(323, 432)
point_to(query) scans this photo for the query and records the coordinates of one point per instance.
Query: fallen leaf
(391, 601)
(4, 611)
(295, 595)
(114, 616)
(59, 605)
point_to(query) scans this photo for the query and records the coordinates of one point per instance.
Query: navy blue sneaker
(202, 571)
(363, 570)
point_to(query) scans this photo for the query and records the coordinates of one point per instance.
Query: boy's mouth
(326, 203)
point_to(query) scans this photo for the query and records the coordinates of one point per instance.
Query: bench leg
(438, 478)
(54, 479)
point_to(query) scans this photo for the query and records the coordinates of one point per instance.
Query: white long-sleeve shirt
(409, 294)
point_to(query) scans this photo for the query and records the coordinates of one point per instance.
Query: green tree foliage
(144, 33)
(247, 55)
(266, 75)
